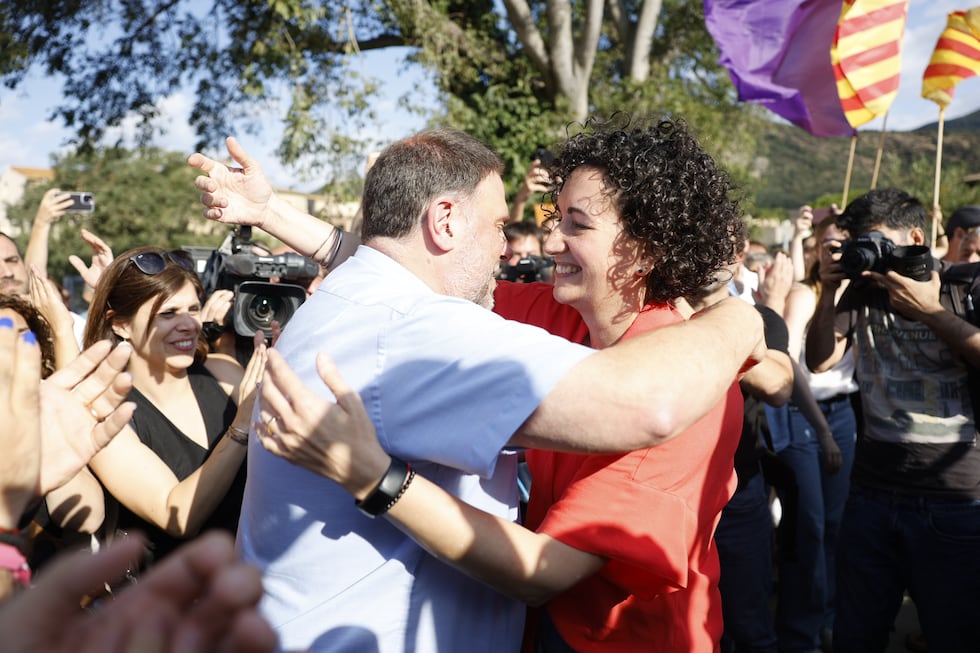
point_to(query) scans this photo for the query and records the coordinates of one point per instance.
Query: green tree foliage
(512, 72)
(144, 197)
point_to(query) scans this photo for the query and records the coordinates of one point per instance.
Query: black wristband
(393, 484)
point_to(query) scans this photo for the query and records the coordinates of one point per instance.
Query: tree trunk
(565, 64)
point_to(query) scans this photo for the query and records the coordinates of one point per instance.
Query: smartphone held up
(81, 202)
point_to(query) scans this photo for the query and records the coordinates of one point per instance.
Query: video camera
(526, 270)
(876, 253)
(258, 301)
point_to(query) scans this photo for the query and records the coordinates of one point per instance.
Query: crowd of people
(486, 432)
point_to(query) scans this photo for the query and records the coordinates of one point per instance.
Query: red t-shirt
(652, 512)
(534, 303)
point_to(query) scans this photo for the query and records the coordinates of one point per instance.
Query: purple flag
(778, 55)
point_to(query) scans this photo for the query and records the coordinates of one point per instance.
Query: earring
(640, 270)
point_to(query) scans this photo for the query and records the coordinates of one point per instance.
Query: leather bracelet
(326, 265)
(389, 490)
(237, 435)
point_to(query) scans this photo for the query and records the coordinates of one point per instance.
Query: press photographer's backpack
(960, 293)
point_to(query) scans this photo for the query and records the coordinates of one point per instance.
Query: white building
(13, 180)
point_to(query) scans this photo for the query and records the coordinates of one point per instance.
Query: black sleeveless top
(183, 456)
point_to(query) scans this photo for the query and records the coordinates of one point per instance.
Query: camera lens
(913, 261)
(855, 260)
(258, 304)
(262, 310)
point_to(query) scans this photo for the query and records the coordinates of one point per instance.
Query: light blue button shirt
(443, 380)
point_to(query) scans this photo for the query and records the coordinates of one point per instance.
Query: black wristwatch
(391, 488)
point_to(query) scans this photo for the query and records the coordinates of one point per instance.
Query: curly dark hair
(671, 196)
(37, 324)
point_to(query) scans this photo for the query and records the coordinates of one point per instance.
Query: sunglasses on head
(155, 262)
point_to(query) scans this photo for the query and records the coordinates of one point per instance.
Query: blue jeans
(806, 574)
(744, 540)
(930, 547)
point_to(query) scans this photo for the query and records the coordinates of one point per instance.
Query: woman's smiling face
(167, 336)
(595, 262)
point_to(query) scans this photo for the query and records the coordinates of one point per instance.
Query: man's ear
(440, 219)
(917, 236)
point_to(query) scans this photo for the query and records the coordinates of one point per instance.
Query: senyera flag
(778, 55)
(866, 56)
(956, 57)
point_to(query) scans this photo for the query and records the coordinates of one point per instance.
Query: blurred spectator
(821, 452)
(745, 530)
(522, 259)
(960, 228)
(53, 428)
(13, 272)
(536, 180)
(202, 599)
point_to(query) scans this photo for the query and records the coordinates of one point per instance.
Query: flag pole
(939, 165)
(850, 167)
(881, 148)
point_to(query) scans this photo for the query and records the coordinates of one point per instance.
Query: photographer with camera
(251, 290)
(914, 504)
(523, 259)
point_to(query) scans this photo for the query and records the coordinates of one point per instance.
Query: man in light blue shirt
(405, 320)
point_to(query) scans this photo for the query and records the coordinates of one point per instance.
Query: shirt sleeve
(457, 381)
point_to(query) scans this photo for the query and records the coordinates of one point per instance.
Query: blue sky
(27, 139)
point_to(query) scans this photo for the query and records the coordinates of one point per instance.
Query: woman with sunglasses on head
(176, 469)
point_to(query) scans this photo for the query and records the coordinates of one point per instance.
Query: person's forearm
(194, 499)
(821, 338)
(796, 256)
(771, 380)
(961, 336)
(513, 560)
(803, 400)
(305, 233)
(645, 391)
(519, 203)
(65, 345)
(36, 253)
(79, 504)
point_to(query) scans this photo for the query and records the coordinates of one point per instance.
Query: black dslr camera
(526, 270)
(876, 253)
(258, 301)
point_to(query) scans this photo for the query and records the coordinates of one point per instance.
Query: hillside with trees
(792, 167)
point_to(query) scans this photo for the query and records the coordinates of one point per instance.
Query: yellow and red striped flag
(956, 57)
(866, 56)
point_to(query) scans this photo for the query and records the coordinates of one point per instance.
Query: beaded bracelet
(389, 490)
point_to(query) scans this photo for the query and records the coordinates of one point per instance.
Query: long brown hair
(123, 289)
